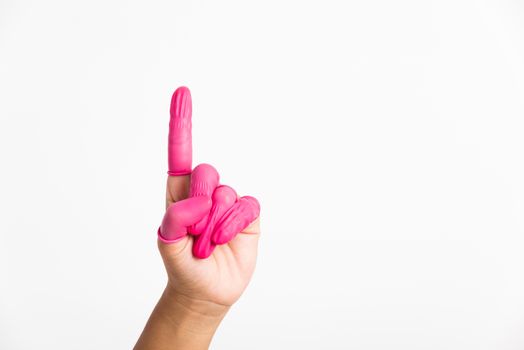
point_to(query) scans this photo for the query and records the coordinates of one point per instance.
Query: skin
(199, 292)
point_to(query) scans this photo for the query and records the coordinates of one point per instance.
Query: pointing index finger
(180, 151)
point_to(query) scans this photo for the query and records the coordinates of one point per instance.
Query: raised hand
(208, 240)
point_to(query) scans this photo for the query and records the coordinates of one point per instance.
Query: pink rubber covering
(213, 213)
(180, 215)
(180, 151)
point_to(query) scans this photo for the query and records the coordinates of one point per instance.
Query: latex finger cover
(180, 215)
(180, 150)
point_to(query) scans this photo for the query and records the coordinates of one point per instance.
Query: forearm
(180, 323)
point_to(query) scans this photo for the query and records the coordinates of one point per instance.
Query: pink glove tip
(180, 151)
(254, 202)
(204, 180)
(180, 215)
(224, 196)
(202, 246)
(181, 104)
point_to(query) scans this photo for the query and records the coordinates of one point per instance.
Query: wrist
(179, 322)
(200, 315)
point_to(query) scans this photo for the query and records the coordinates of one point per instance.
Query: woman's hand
(219, 279)
(199, 291)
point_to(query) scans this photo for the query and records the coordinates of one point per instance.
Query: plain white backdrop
(384, 140)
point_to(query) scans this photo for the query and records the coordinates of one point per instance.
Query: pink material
(204, 180)
(224, 197)
(213, 213)
(237, 218)
(180, 152)
(180, 215)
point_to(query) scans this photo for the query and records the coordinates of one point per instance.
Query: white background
(384, 140)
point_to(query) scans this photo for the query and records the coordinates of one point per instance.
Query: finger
(180, 215)
(224, 197)
(243, 213)
(177, 189)
(203, 247)
(180, 143)
(204, 180)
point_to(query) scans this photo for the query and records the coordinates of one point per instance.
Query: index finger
(180, 150)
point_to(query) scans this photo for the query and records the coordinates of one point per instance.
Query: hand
(220, 278)
(224, 230)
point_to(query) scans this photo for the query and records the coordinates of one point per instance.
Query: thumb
(180, 215)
